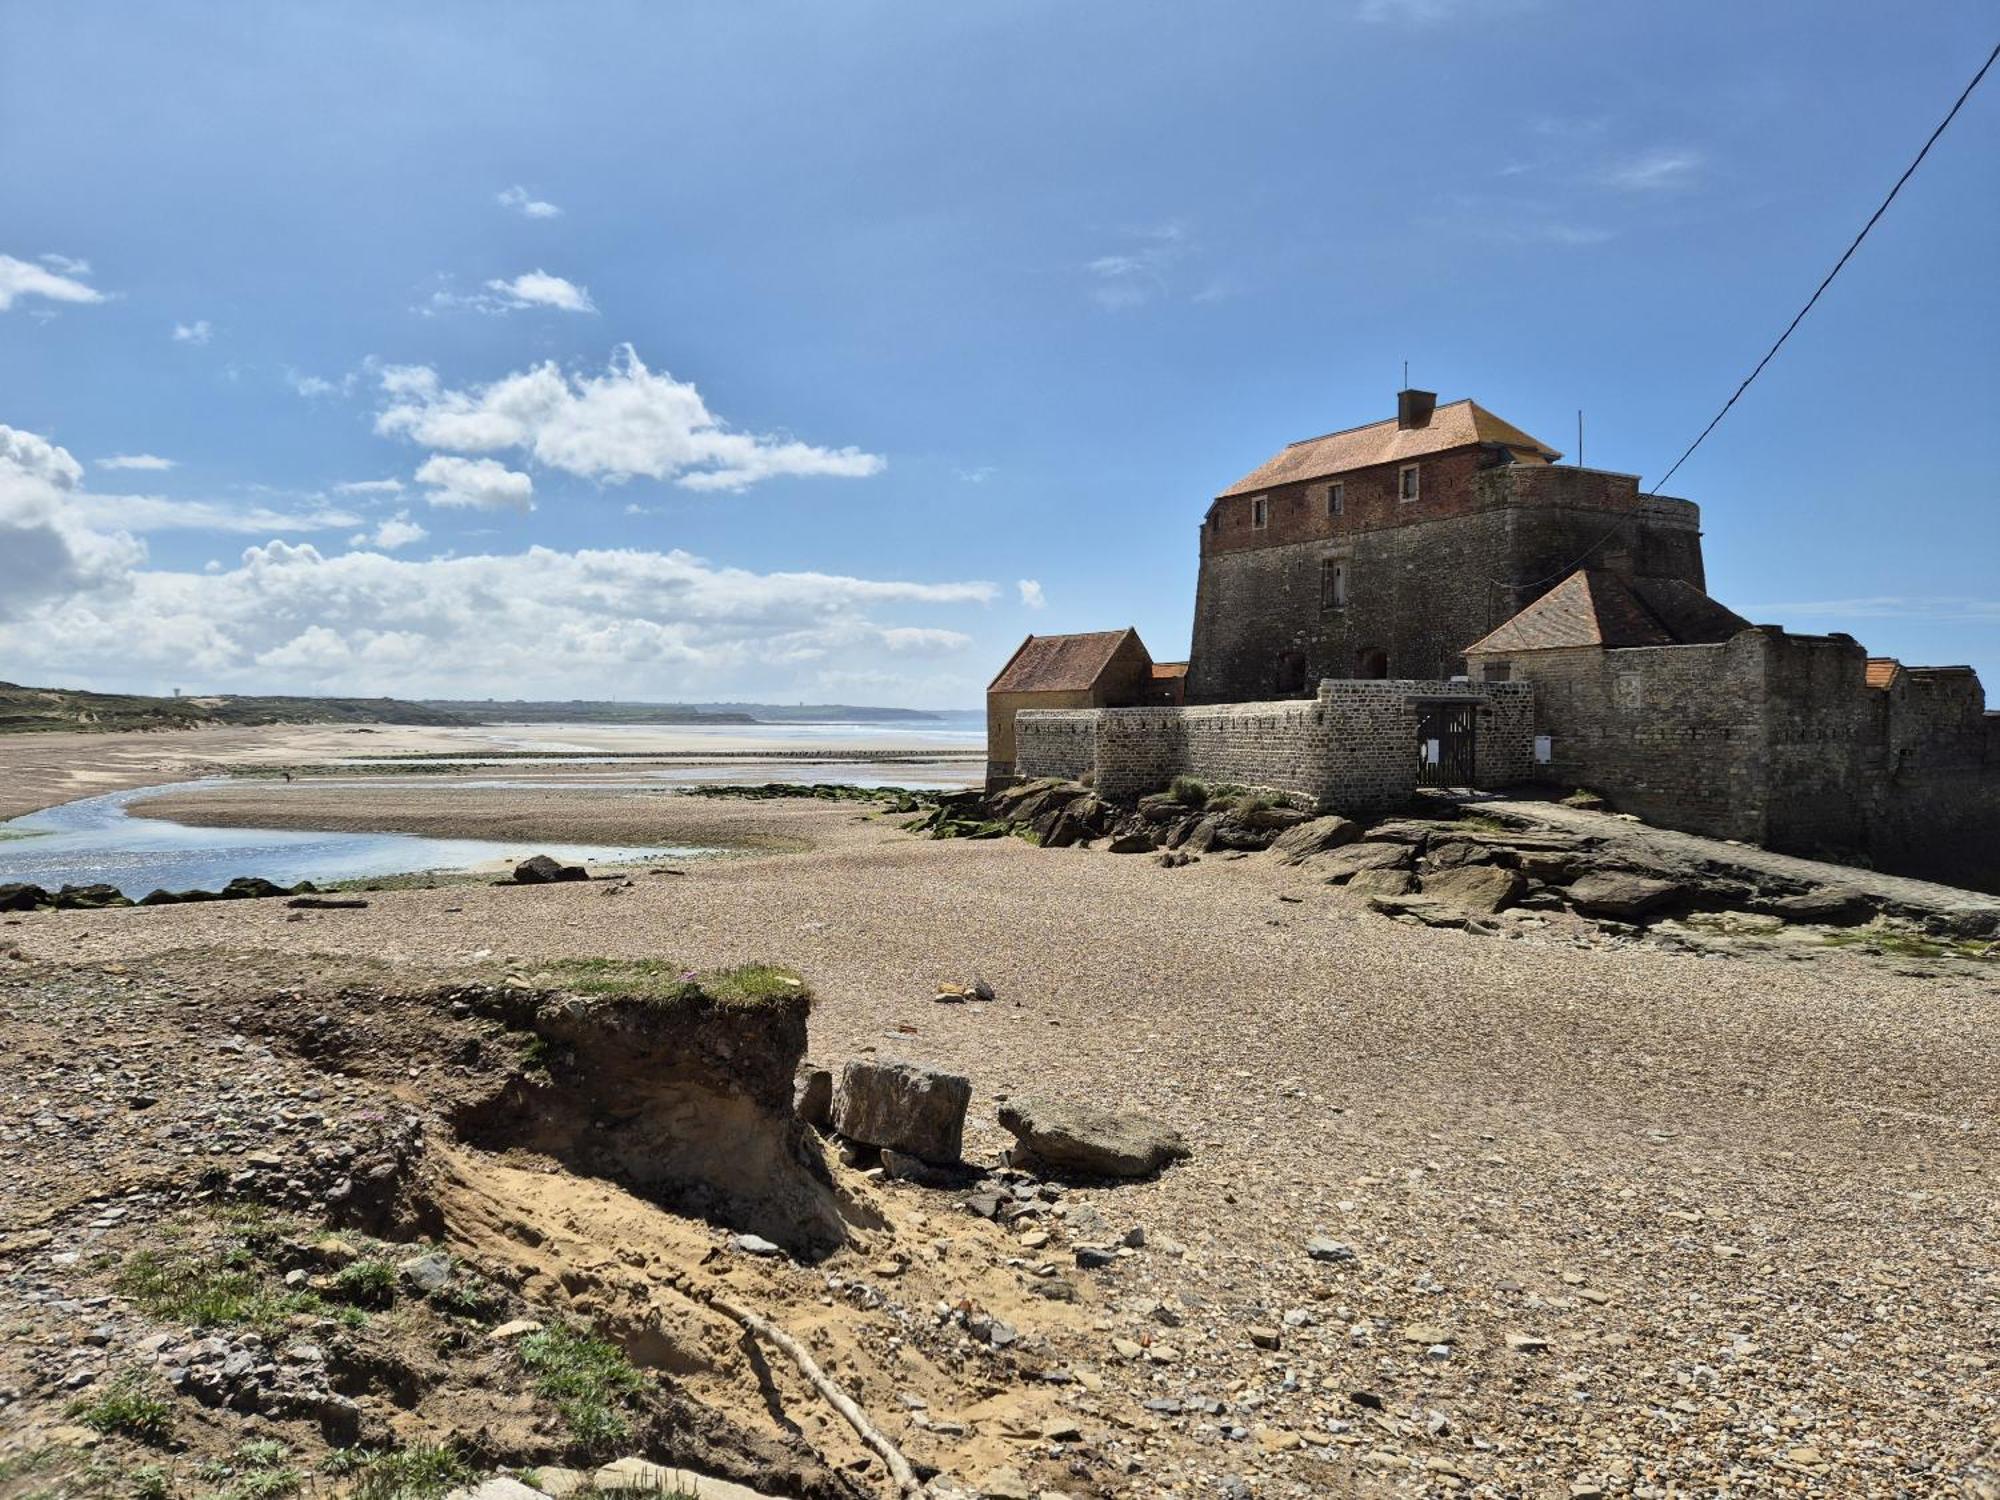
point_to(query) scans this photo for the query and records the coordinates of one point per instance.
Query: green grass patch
(130, 1409)
(590, 1381)
(221, 1288)
(1479, 823)
(366, 1283)
(424, 1471)
(1911, 944)
(663, 979)
(1189, 791)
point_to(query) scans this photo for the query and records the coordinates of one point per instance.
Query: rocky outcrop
(903, 1106)
(1623, 894)
(1095, 1142)
(540, 869)
(1476, 888)
(1314, 836)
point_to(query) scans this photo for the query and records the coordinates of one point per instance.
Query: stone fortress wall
(1351, 749)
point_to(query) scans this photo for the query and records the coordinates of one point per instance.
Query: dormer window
(1406, 482)
(1260, 512)
(1336, 499)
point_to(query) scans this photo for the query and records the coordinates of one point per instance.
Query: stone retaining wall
(1353, 748)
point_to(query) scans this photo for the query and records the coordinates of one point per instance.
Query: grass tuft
(665, 980)
(590, 1380)
(129, 1409)
(366, 1283)
(424, 1471)
(221, 1288)
(1189, 791)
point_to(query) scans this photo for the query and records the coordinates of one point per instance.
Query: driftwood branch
(906, 1479)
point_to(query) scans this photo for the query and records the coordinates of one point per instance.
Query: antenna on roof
(1406, 374)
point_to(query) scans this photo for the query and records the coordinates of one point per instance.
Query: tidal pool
(96, 840)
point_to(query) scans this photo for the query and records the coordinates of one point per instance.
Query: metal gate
(1445, 749)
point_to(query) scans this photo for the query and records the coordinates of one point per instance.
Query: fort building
(1431, 600)
(1382, 550)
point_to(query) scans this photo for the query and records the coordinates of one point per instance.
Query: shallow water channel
(96, 840)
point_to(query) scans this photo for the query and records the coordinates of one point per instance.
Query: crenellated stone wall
(1351, 749)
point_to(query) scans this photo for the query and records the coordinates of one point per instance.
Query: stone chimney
(1414, 408)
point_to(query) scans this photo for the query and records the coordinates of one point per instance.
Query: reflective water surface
(97, 840)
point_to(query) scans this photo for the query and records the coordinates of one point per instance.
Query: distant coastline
(28, 710)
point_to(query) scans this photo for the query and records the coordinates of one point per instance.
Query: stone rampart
(1352, 749)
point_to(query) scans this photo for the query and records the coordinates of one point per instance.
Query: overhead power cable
(1846, 255)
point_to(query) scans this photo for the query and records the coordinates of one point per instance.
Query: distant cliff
(27, 709)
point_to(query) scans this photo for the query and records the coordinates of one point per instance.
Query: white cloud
(1142, 271)
(538, 288)
(535, 623)
(475, 484)
(1664, 169)
(67, 265)
(22, 278)
(197, 332)
(370, 487)
(312, 387)
(397, 531)
(1031, 593)
(518, 199)
(157, 513)
(134, 461)
(628, 421)
(977, 475)
(47, 551)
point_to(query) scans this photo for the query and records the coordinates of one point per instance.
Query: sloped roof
(1060, 663)
(1458, 424)
(1882, 671)
(1170, 669)
(1593, 607)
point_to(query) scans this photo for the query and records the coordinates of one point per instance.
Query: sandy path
(1746, 1202)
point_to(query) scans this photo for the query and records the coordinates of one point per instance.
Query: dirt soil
(1613, 1219)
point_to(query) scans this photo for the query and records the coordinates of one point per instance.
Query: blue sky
(821, 350)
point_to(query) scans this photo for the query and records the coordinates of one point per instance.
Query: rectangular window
(1336, 499)
(1332, 583)
(1260, 512)
(1497, 671)
(1406, 482)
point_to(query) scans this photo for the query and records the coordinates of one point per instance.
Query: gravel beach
(1621, 1221)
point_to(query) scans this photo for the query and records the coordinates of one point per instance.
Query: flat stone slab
(1097, 1142)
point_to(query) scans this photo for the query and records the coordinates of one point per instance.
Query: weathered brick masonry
(1353, 748)
(1422, 578)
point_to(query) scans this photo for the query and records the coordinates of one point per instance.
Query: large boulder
(1624, 894)
(1162, 807)
(1313, 837)
(1480, 888)
(1341, 863)
(1834, 905)
(1276, 818)
(541, 870)
(1096, 1142)
(903, 1106)
(90, 897)
(20, 897)
(1381, 883)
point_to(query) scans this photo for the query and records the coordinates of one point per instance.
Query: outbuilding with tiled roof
(1095, 669)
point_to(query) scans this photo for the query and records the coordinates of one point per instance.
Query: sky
(819, 351)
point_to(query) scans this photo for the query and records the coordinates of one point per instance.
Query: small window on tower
(1260, 512)
(1406, 482)
(1336, 499)
(1332, 583)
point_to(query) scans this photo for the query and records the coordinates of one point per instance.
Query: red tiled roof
(1459, 424)
(1592, 607)
(1060, 663)
(1170, 669)
(1882, 670)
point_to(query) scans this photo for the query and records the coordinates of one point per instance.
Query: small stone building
(1683, 712)
(1380, 550)
(1097, 669)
